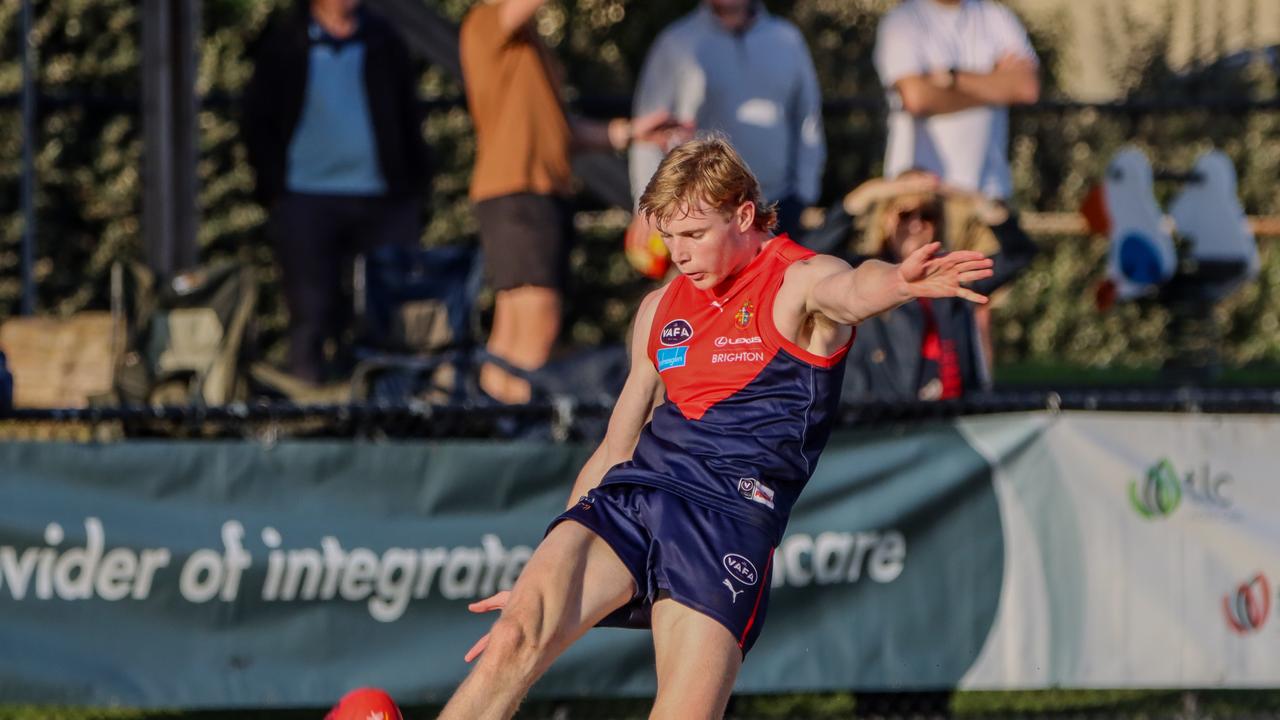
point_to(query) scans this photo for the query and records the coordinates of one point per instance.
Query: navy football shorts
(702, 559)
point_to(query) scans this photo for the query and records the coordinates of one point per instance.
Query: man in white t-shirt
(951, 69)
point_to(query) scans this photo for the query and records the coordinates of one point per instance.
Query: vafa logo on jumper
(676, 332)
(1248, 607)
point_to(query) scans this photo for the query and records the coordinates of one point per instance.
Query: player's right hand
(496, 601)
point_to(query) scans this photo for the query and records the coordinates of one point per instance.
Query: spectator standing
(951, 68)
(334, 134)
(927, 349)
(521, 179)
(731, 66)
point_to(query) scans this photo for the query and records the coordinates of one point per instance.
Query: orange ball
(365, 704)
(645, 250)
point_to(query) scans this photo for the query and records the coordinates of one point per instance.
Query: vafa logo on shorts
(740, 569)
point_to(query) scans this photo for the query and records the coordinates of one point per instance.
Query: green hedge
(88, 163)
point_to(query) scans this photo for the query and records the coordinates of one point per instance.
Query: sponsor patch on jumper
(676, 332)
(673, 357)
(739, 356)
(725, 341)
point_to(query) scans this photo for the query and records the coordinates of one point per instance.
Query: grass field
(1081, 704)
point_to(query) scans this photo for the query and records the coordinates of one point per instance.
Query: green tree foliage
(90, 144)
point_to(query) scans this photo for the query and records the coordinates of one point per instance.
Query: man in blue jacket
(334, 134)
(731, 66)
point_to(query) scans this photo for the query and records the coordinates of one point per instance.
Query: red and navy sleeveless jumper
(747, 411)
(696, 513)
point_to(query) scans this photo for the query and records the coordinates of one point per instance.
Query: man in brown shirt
(521, 179)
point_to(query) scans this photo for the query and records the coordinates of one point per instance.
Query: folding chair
(416, 310)
(419, 335)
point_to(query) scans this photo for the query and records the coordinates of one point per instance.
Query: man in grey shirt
(732, 67)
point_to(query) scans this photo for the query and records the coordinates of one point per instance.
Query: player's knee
(517, 641)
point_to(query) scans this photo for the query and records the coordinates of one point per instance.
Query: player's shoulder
(818, 264)
(648, 307)
(804, 273)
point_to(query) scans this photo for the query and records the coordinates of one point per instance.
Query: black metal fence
(560, 419)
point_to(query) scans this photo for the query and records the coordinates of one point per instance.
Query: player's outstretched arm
(641, 393)
(850, 295)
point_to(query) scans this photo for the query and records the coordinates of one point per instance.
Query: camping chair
(419, 338)
(185, 338)
(416, 310)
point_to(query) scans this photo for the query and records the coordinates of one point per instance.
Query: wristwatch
(945, 79)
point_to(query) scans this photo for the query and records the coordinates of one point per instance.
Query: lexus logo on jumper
(676, 332)
(1248, 607)
(741, 569)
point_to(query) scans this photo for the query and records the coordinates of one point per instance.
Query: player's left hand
(496, 601)
(928, 275)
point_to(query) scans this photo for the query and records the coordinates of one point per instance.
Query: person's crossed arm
(906, 65)
(1015, 80)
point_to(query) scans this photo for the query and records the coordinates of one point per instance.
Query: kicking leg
(573, 580)
(698, 660)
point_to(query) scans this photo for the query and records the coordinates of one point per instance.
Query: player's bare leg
(573, 580)
(698, 660)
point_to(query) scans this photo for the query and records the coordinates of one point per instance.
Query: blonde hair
(708, 171)
(958, 226)
(875, 241)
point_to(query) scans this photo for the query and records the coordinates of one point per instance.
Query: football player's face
(709, 245)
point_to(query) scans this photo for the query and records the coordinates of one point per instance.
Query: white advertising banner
(1141, 550)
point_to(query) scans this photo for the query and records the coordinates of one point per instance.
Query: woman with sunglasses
(930, 350)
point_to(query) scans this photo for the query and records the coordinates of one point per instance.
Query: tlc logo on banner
(1161, 490)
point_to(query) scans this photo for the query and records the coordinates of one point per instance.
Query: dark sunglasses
(925, 214)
